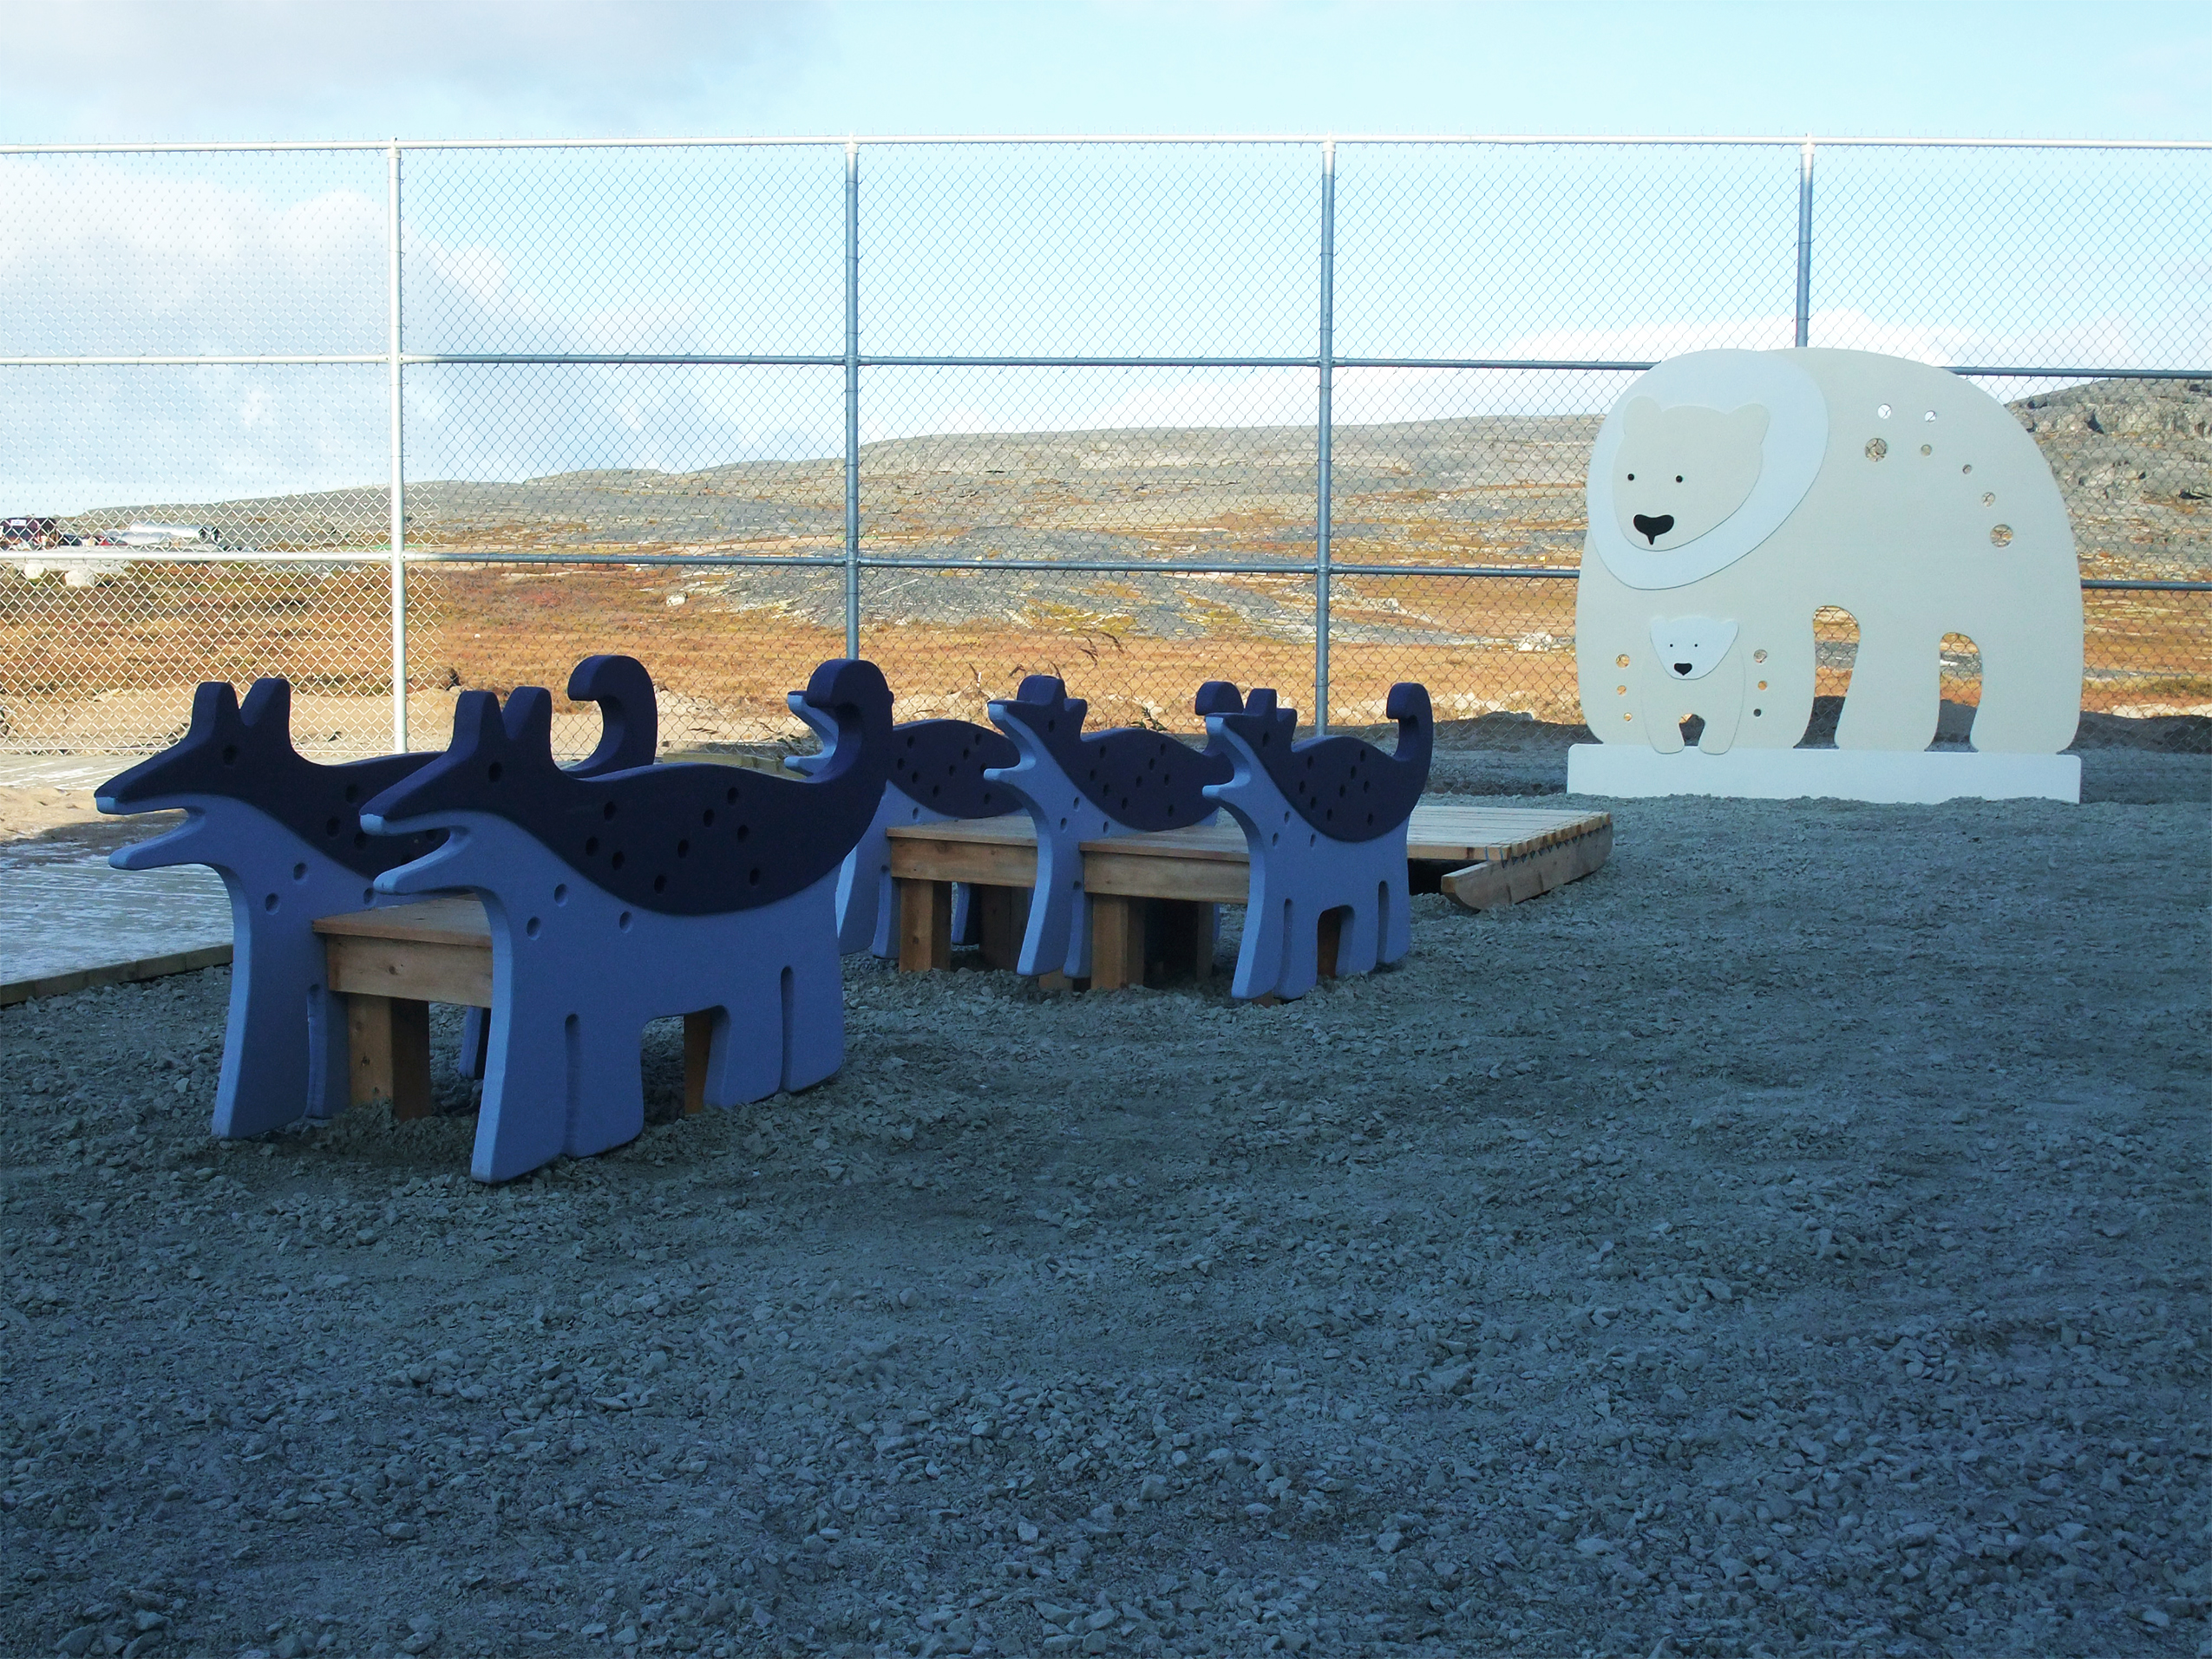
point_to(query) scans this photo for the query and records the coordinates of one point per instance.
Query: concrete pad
(1930, 775)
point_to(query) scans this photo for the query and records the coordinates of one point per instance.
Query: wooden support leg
(1331, 933)
(698, 1042)
(924, 924)
(1003, 912)
(388, 1039)
(1116, 943)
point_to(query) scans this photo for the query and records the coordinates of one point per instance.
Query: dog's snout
(1651, 529)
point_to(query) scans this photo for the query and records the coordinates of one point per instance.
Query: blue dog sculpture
(1325, 821)
(284, 833)
(1079, 788)
(618, 898)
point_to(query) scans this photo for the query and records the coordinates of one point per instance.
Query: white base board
(1837, 774)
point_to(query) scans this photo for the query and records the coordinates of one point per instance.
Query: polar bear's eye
(1632, 478)
(1678, 478)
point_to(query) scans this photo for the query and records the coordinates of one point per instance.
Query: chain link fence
(1140, 414)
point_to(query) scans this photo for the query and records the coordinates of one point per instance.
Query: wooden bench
(390, 965)
(1148, 893)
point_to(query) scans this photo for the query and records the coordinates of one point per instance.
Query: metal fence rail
(1140, 412)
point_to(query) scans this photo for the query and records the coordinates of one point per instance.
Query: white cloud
(121, 69)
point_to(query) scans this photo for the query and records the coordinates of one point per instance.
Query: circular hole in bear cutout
(622, 921)
(534, 927)
(2000, 535)
(615, 861)
(1876, 449)
(492, 772)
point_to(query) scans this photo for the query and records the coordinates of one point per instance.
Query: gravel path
(1790, 1239)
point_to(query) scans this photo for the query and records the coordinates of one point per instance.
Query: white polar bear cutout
(1733, 494)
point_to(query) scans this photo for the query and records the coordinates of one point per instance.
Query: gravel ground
(1789, 1240)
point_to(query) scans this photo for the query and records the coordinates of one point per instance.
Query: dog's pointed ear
(214, 706)
(267, 712)
(528, 719)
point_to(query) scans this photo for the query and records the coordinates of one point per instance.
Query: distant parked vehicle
(162, 535)
(29, 532)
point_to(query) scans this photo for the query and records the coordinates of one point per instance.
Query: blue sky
(156, 69)
(1608, 255)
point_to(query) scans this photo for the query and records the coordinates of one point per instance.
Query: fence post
(398, 492)
(1326, 359)
(1805, 240)
(852, 397)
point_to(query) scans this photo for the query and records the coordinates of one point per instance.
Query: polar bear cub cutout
(1733, 493)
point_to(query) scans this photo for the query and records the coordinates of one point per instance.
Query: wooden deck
(1482, 856)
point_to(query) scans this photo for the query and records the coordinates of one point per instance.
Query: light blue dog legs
(576, 974)
(284, 1051)
(1294, 882)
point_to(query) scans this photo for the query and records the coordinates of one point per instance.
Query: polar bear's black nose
(1683, 668)
(1651, 529)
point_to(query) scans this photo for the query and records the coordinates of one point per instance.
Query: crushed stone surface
(1790, 1239)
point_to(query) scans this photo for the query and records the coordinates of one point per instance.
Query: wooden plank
(387, 1046)
(1510, 881)
(958, 856)
(1116, 943)
(1004, 913)
(455, 919)
(924, 924)
(433, 973)
(1114, 869)
(114, 973)
(1008, 829)
(699, 1043)
(1222, 843)
(1455, 834)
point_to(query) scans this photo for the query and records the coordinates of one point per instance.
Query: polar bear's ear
(1748, 425)
(1643, 417)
